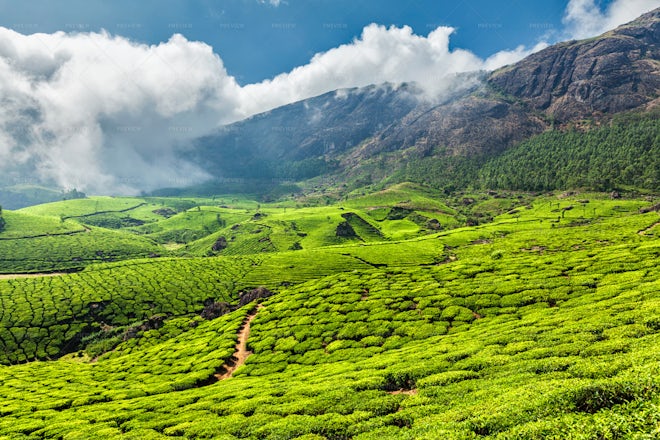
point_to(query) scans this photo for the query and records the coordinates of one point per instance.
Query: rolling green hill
(542, 323)
(70, 235)
(32, 243)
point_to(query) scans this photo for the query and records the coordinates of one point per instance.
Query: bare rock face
(615, 72)
(476, 124)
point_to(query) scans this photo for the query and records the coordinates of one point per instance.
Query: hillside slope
(618, 71)
(538, 326)
(293, 142)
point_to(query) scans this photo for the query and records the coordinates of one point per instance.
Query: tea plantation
(540, 320)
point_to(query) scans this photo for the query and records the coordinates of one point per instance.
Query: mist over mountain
(105, 114)
(307, 138)
(346, 132)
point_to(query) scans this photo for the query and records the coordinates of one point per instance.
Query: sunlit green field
(540, 322)
(71, 235)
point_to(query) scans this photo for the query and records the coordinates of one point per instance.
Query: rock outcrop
(618, 71)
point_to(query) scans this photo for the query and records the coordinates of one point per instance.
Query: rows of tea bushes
(559, 341)
(121, 295)
(294, 267)
(20, 226)
(85, 206)
(537, 325)
(74, 251)
(72, 234)
(48, 316)
(43, 243)
(351, 316)
(189, 226)
(54, 236)
(182, 354)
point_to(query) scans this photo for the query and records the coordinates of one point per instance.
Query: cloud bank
(584, 18)
(107, 115)
(103, 114)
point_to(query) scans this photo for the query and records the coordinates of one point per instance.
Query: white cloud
(104, 114)
(274, 3)
(380, 55)
(584, 18)
(107, 115)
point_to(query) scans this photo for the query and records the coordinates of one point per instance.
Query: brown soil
(402, 391)
(241, 353)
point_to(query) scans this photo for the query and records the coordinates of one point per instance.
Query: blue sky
(258, 40)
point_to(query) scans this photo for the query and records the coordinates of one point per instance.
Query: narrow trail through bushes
(412, 392)
(645, 230)
(241, 353)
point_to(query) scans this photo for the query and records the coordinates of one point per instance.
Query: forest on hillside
(622, 153)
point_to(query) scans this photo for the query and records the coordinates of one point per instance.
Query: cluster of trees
(449, 173)
(73, 194)
(625, 152)
(2, 220)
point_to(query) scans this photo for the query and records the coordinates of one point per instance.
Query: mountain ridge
(578, 79)
(337, 133)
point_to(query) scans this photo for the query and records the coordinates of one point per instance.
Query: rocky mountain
(296, 141)
(615, 72)
(341, 131)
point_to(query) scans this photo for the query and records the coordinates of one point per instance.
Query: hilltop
(71, 235)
